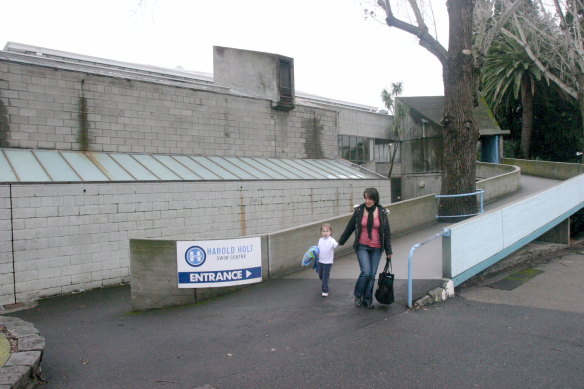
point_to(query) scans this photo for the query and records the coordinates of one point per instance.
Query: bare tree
(467, 48)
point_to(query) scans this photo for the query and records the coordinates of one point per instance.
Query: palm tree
(388, 97)
(399, 112)
(509, 76)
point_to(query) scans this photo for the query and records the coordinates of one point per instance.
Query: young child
(326, 255)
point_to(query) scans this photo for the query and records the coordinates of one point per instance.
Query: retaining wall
(497, 180)
(556, 170)
(153, 262)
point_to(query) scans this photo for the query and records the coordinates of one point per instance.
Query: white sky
(337, 53)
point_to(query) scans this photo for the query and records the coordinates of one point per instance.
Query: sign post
(217, 263)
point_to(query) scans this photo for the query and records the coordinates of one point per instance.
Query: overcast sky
(337, 53)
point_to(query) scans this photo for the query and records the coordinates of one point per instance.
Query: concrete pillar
(154, 278)
(559, 234)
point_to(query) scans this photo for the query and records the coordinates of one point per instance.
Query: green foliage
(387, 99)
(557, 130)
(557, 127)
(503, 73)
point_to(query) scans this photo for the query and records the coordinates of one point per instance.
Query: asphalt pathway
(283, 334)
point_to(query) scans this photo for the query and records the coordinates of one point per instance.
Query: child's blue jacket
(310, 257)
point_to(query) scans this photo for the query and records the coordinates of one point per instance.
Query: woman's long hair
(373, 194)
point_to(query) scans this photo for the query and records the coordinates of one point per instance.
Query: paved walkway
(283, 334)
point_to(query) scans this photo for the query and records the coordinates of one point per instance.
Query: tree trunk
(526, 116)
(396, 145)
(460, 131)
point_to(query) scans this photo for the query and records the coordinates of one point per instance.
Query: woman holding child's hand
(370, 222)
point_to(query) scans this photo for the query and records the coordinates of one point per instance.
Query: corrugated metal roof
(19, 165)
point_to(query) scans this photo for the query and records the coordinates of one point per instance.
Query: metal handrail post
(480, 192)
(445, 232)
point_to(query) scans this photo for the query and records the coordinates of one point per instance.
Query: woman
(372, 237)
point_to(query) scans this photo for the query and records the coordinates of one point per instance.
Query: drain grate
(516, 279)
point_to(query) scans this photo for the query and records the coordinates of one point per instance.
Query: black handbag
(384, 292)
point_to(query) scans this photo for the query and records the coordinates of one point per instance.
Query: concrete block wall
(72, 237)
(367, 124)
(48, 108)
(6, 271)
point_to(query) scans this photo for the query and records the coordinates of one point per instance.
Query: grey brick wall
(367, 124)
(72, 237)
(60, 109)
(6, 279)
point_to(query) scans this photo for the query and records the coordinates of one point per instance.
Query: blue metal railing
(479, 192)
(445, 232)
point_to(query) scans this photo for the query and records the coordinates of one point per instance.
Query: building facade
(70, 234)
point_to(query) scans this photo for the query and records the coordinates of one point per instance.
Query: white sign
(216, 263)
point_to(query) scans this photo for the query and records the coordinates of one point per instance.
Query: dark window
(354, 149)
(285, 84)
(384, 150)
(285, 81)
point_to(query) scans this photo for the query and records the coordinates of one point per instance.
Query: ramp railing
(445, 232)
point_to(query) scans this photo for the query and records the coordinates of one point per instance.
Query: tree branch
(426, 40)
(548, 74)
(500, 22)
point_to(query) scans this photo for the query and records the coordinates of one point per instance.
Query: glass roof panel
(320, 173)
(83, 166)
(109, 167)
(215, 168)
(332, 173)
(233, 168)
(57, 168)
(26, 166)
(264, 168)
(6, 172)
(338, 166)
(156, 167)
(134, 167)
(196, 168)
(177, 167)
(19, 165)
(270, 164)
(291, 168)
(244, 163)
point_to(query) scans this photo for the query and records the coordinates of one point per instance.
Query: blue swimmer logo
(195, 256)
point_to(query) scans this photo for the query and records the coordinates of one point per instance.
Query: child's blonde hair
(326, 225)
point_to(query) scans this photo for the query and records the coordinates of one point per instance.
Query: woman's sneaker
(358, 302)
(324, 294)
